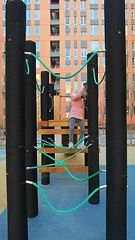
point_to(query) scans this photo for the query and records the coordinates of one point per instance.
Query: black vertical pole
(31, 130)
(116, 143)
(45, 177)
(93, 151)
(15, 120)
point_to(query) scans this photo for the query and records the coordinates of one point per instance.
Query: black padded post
(45, 177)
(31, 130)
(15, 120)
(116, 135)
(93, 151)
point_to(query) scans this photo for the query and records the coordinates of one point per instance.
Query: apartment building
(65, 31)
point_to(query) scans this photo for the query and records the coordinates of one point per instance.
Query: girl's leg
(71, 129)
(82, 128)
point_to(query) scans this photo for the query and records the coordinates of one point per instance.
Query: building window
(127, 94)
(36, 1)
(75, 53)
(68, 66)
(134, 110)
(127, 110)
(67, 22)
(125, 14)
(133, 46)
(36, 14)
(83, 5)
(83, 20)
(133, 62)
(75, 20)
(37, 64)
(133, 77)
(67, 53)
(36, 30)
(74, 5)
(134, 94)
(94, 14)
(4, 31)
(28, 15)
(103, 45)
(4, 15)
(67, 6)
(94, 1)
(132, 14)
(126, 30)
(103, 30)
(83, 53)
(94, 30)
(83, 33)
(103, 14)
(94, 46)
(132, 30)
(67, 33)
(75, 32)
(103, 61)
(27, 30)
(37, 46)
(26, 1)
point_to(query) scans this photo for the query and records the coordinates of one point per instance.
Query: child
(76, 114)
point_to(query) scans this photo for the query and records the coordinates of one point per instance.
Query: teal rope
(28, 68)
(63, 211)
(62, 147)
(63, 165)
(58, 76)
(94, 76)
(38, 88)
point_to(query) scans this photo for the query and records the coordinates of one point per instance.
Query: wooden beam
(59, 123)
(63, 150)
(61, 169)
(58, 131)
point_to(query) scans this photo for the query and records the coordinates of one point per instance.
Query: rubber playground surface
(86, 223)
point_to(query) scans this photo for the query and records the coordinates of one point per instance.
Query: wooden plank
(59, 123)
(58, 131)
(61, 169)
(63, 150)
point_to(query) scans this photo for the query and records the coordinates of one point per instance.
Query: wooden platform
(61, 127)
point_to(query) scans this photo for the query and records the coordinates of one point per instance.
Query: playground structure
(116, 128)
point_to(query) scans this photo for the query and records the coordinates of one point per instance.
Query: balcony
(55, 62)
(54, 30)
(55, 49)
(54, 14)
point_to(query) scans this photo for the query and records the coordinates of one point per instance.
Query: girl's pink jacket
(77, 105)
